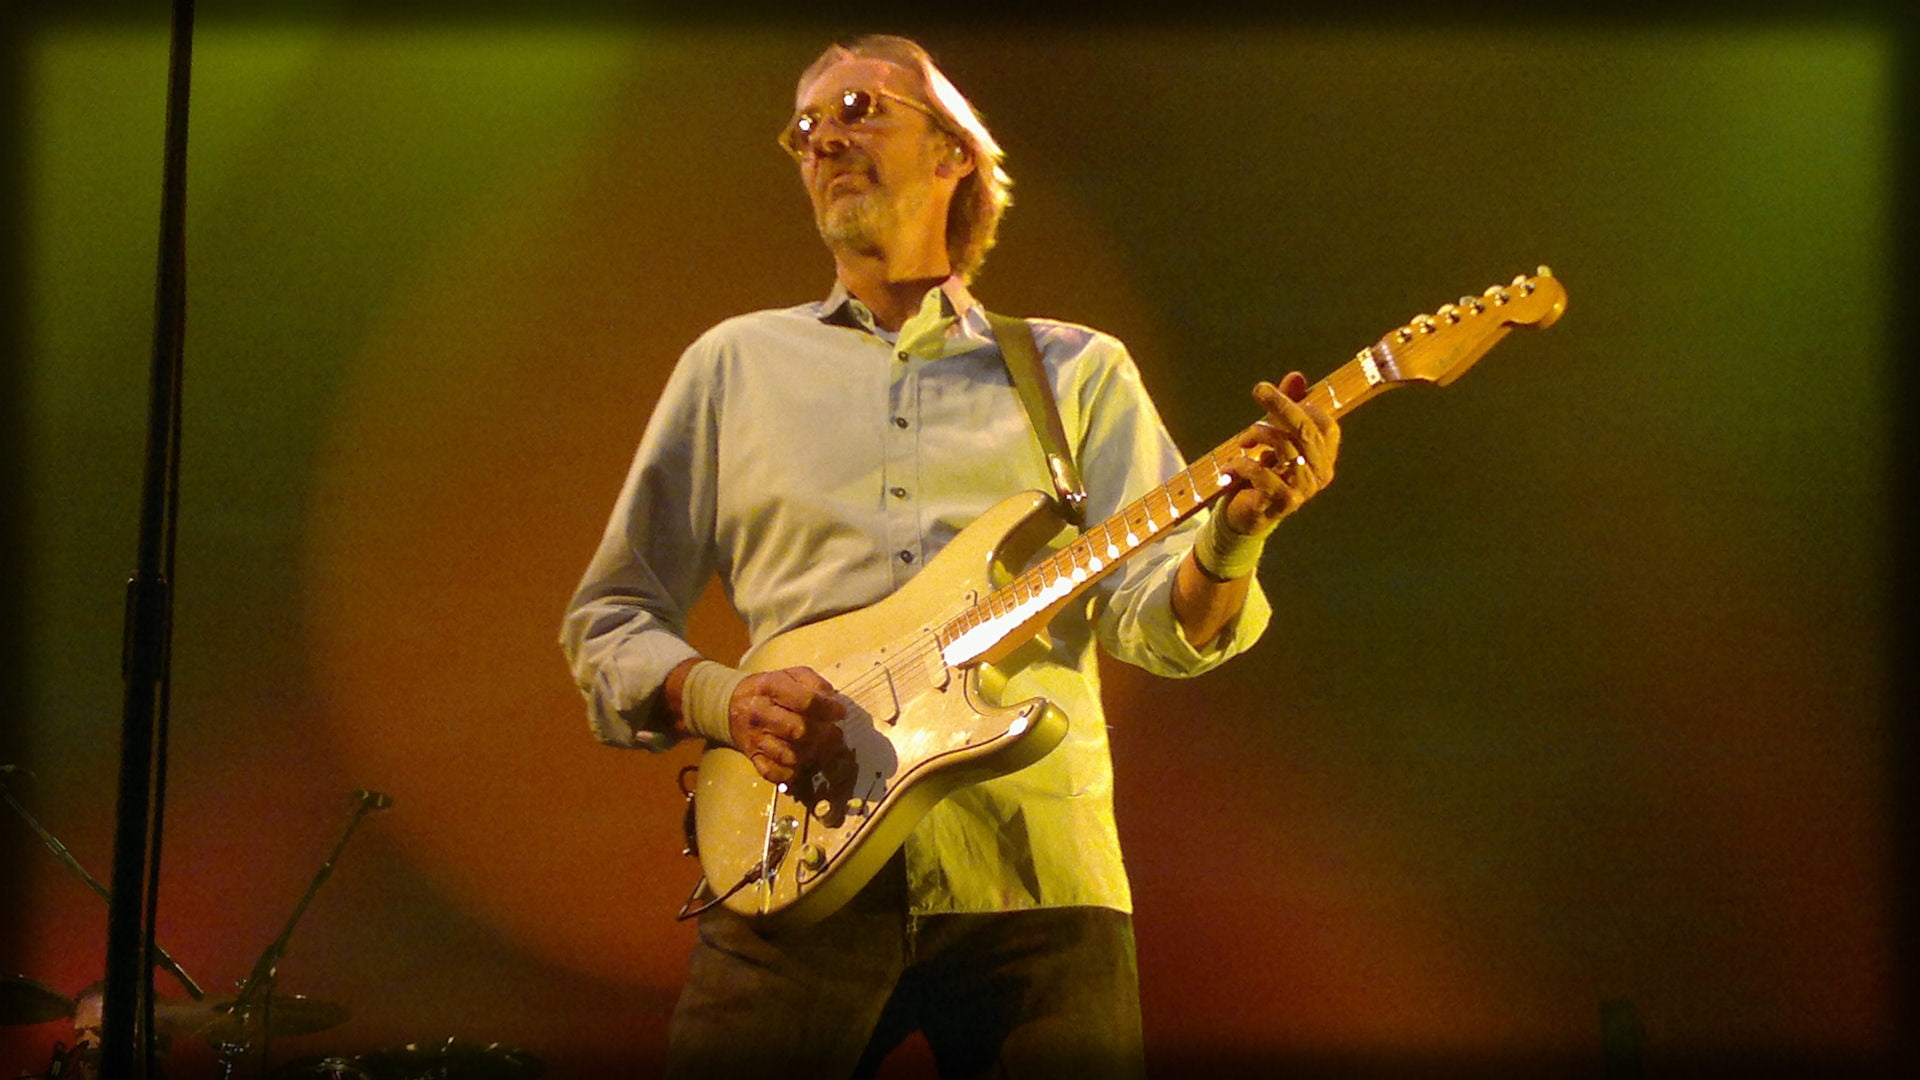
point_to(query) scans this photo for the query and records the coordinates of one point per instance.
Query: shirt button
(901, 356)
(899, 492)
(899, 421)
(906, 556)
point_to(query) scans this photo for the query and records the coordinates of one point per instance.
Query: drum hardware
(313, 1067)
(237, 1026)
(454, 1059)
(251, 1018)
(160, 955)
(82, 1060)
(220, 1023)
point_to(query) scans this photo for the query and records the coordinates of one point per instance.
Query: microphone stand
(254, 1005)
(60, 851)
(127, 1004)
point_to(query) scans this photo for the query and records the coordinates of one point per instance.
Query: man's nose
(829, 139)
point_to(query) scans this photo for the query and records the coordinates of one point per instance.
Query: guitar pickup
(885, 709)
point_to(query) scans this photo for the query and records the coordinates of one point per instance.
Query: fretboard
(1055, 580)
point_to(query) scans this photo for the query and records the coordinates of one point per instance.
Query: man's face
(883, 180)
(87, 1022)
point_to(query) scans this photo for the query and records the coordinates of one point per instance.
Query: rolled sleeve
(1126, 452)
(625, 627)
(1143, 629)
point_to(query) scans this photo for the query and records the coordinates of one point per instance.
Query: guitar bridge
(780, 832)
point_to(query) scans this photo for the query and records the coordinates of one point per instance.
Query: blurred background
(1577, 701)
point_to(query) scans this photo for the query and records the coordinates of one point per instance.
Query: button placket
(901, 473)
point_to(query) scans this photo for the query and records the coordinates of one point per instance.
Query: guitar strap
(1022, 357)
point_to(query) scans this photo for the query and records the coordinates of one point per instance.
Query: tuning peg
(1543, 270)
(1497, 294)
(1404, 334)
(1473, 304)
(1449, 313)
(1423, 323)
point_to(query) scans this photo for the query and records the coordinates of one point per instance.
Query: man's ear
(955, 162)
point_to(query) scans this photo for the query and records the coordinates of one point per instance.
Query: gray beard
(855, 224)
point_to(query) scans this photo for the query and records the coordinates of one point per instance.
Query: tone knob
(812, 856)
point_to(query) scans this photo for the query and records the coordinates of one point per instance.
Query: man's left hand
(1290, 458)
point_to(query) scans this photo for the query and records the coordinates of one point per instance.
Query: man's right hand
(785, 720)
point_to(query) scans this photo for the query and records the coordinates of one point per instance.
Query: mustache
(852, 160)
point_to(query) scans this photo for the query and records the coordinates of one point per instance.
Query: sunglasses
(851, 109)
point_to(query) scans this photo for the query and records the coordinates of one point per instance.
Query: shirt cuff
(1159, 630)
(632, 718)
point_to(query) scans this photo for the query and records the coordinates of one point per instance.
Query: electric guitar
(919, 721)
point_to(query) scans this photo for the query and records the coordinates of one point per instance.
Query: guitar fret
(1049, 568)
(1197, 491)
(1098, 549)
(1153, 522)
(1388, 364)
(1001, 602)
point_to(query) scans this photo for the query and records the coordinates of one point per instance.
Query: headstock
(1440, 347)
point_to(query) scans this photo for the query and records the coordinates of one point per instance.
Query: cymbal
(214, 1019)
(29, 1001)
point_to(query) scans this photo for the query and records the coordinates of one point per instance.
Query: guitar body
(915, 730)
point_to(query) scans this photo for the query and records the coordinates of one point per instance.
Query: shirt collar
(950, 321)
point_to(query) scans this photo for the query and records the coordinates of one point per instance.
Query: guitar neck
(1012, 613)
(1431, 348)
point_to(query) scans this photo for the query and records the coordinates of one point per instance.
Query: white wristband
(706, 700)
(1223, 553)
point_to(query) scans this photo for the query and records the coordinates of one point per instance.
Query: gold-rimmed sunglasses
(852, 108)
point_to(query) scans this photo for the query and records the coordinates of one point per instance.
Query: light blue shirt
(816, 467)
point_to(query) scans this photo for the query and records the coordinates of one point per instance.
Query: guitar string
(1326, 394)
(1143, 522)
(1079, 556)
(1374, 369)
(1340, 391)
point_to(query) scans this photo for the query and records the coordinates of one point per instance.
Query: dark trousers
(1045, 993)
